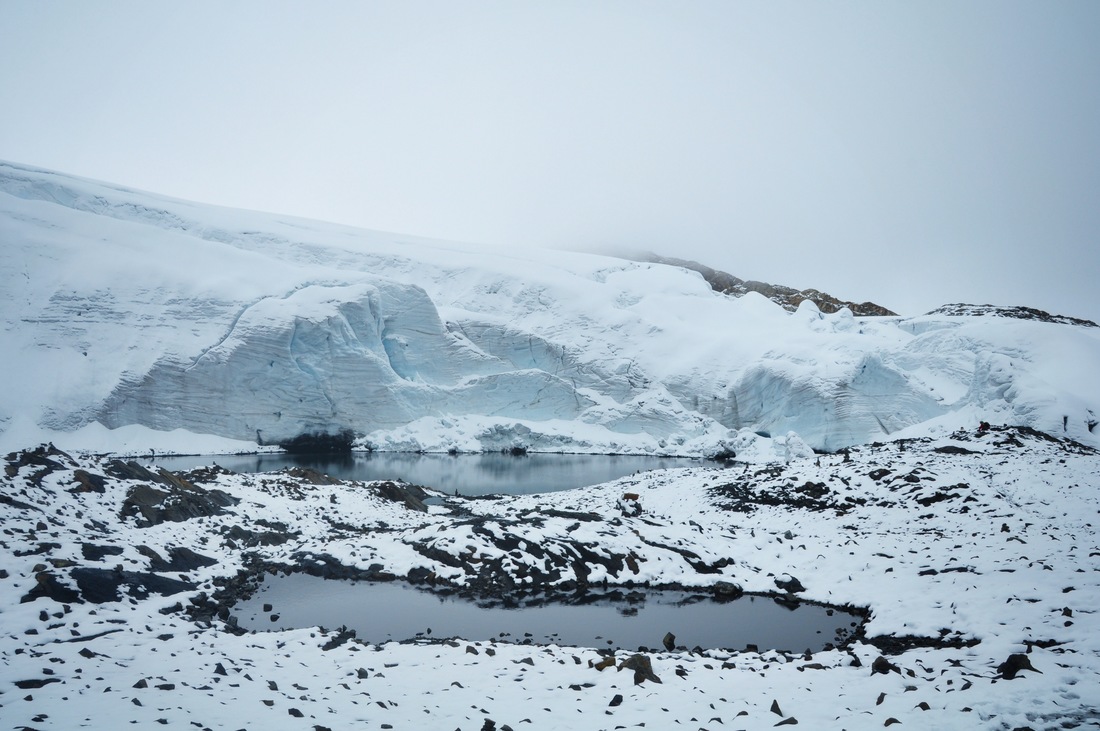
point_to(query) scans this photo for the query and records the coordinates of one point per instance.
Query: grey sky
(908, 153)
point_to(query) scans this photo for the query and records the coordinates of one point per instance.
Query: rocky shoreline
(100, 553)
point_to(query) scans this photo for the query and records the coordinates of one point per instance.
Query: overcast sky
(909, 153)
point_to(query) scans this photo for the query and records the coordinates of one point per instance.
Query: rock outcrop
(786, 297)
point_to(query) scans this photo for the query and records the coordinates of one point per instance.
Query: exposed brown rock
(786, 297)
(1016, 313)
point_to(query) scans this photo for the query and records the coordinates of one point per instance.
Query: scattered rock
(35, 683)
(103, 585)
(412, 496)
(92, 552)
(342, 636)
(420, 575)
(46, 458)
(254, 539)
(313, 477)
(883, 666)
(1014, 664)
(48, 586)
(727, 590)
(1015, 312)
(630, 505)
(642, 667)
(789, 584)
(87, 482)
(607, 662)
(180, 500)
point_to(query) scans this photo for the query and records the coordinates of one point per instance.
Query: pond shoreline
(233, 592)
(464, 474)
(110, 568)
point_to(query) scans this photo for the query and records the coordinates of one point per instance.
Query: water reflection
(380, 612)
(468, 474)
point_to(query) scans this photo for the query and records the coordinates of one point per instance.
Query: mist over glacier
(124, 310)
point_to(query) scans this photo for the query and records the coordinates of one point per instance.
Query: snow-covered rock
(121, 308)
(120, 584)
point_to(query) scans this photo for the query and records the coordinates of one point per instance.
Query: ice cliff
(123, 308)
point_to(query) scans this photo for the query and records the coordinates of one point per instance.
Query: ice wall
(126, 308)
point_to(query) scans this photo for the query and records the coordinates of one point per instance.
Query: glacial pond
(626, 619)
(468, 474)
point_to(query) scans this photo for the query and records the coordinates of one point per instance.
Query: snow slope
(967, 550)
(122, 309)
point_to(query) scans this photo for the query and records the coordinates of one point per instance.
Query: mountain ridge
(788, 298)
(1019, 312)
(128, 316)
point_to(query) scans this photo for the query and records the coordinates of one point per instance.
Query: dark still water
(469, 474)
(380, 612)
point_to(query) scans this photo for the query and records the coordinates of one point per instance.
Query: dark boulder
(179, 500)
(35, 683)
(642, 667)
(727, 590)
(179, 559)
(313, 477)
(103, 585)
(48, 586)
(789, 584)
(129, 471)
(630, 505)
(420, 575)
(87, 482)
(342, 636)
(252, 539)
(93, 552)
(1013, 665)
(411, 495)
(883, 666)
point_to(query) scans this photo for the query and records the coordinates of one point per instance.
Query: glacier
(126, 310)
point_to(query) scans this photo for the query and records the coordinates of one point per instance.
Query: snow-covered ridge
(123, 309)
(1020, 313)
(786, 297)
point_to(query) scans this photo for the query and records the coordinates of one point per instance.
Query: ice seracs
(124, 309)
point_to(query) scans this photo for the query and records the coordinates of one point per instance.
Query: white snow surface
(129, 322)
(980, 546)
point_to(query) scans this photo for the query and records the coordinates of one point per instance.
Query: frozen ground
(966, 549)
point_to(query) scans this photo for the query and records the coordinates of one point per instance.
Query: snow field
(991, 538)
